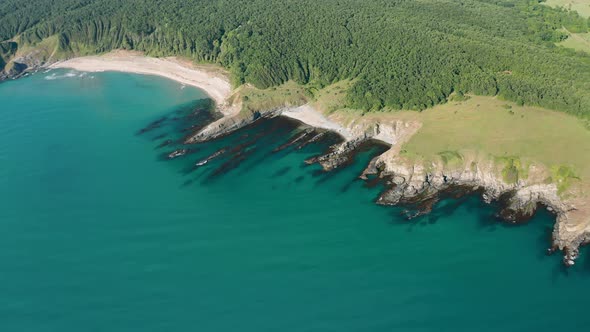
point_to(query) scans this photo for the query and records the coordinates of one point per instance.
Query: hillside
(398, 54)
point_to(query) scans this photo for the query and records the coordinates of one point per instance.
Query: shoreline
(407, 180)
(213, 83)
(312, 117)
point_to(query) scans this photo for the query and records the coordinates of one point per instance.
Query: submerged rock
(177, 153)
(165, 143)
(301, 137)
(339, 154)
(211, 157)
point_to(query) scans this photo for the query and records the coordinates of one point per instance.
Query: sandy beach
(213, 82)
(314, 118)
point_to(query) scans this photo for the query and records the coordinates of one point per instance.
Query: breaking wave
(55, 76)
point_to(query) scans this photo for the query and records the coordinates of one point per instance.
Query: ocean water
(99, 232)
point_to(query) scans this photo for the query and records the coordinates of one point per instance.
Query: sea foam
(70, 74)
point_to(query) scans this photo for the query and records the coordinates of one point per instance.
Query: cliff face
(412, 180)
(17, 58)
(17, 66)
(418, 182)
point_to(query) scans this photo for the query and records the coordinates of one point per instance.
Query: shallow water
(99, 232)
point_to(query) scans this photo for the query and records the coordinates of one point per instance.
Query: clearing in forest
(581, 6)
(577, 41)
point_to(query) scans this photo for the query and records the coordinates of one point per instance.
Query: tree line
(401, 54)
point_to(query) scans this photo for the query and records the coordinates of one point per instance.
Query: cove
(100, 231)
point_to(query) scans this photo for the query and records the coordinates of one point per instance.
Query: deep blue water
(99, 233)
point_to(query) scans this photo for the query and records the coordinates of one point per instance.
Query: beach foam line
(216, 85)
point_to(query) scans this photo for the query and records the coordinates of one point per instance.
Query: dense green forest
(401, 54)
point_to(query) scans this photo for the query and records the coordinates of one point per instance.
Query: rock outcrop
(227, 125)
(393, 134)
(420, 183)
(21, 65)
(411, 181)
(339, 155)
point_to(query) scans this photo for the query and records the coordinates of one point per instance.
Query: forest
(400, 54)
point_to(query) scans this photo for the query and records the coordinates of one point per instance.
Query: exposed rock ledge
(415, 181)
(21, 66)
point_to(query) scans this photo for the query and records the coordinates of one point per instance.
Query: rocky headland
(419, 183)
(22, 65)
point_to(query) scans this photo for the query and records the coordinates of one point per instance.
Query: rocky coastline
(22, 66)
(418, 184)
(415, 183)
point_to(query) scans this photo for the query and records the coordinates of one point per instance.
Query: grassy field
(331, 98)
(505, 131)
(512, 135)
(581, 6)
(578, 42)
(288, 94)
(46, 49)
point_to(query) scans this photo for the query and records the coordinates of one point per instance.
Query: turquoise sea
(98, 232)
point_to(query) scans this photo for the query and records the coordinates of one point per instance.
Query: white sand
(314, 118)
(215, 84)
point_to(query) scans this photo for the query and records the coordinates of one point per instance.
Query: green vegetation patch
(458, 96)
(578, 42)
(288, 94)
(484, 126)
(563, 176)
(513, 169)
(582, 7)
(332, 97)
(451, 158)
(7, 49)
(54, 47)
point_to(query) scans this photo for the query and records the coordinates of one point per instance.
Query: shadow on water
(159, 137)
(254, 143)
(282, 171)
(323, 176)
(486, 217)
(189, 115)
(272, 133)
(244, 144)
(231, 164)
(279, 137)
(187, 183)
(358, 160)
(229, 153)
